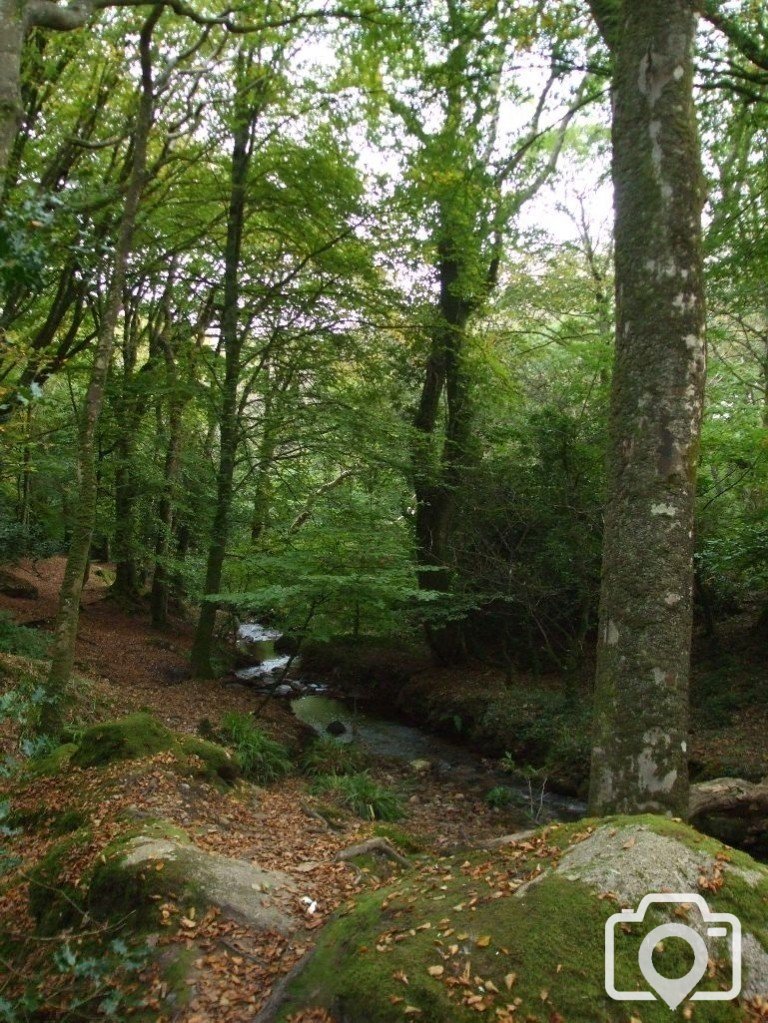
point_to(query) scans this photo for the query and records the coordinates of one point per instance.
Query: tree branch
(47, 14)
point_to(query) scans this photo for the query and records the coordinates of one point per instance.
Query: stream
(382, 737)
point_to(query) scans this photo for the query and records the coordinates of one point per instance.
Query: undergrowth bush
(500, 796)
(362, 795)
(262, 759)
(22, 641)
(326, 756)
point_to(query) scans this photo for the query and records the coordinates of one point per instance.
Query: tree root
(372, 845)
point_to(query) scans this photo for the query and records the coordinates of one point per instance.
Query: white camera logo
(673, 990)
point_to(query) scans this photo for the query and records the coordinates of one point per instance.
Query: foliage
(499, 797)
(362, 795)
(20, 640)
(327, 756)
(98, 976)
(23, 705)
(261, 759)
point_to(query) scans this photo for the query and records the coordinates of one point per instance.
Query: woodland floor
(124, 665)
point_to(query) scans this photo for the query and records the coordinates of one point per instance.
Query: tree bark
(639, 758)
(16, 18)
(65, 632)
(11, 43)
(436, 474)
(160, 578)
(245, 115)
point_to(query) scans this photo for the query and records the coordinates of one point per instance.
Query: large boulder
(149, 866)
(141, 735)
(519, 933)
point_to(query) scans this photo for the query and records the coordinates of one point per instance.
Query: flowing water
(380, 737)
(383, 738)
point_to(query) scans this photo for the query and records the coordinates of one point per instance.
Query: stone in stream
(336, 728)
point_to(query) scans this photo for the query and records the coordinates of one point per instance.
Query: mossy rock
(160, 863)
(116, 891)
(519, 934)
(218, 763)
(137, 735)
(51, 763)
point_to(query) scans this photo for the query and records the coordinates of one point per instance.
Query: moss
(117, 891)
(217, 763)
(52, 763)
(67, 821)
(137, 735)
(550, 936)
(401, 839)
(175, 975)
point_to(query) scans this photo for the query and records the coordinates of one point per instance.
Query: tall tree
(67, 618)
(251, 94)
(639, 758)
(471, 175)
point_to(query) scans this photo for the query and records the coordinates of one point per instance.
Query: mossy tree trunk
(247, 108)
(128, 414)
(437, 474)
(641, 702)
(67, 618)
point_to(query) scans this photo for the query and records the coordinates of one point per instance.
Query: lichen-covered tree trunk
(65, 631)
(245, 114)
(641, 702)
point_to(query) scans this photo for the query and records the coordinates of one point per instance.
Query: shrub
(326, 756)
(262, 759)
(499, 797)
(22, 641)
(360, 793)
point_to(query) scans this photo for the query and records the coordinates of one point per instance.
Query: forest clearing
(383, 493)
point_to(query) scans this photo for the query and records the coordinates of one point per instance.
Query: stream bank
(534, 723)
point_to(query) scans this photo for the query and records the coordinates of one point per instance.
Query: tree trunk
(16, 18)
(202, 666)
(641, 703)
(65, 633)
(437, 474)
(11, 42)
(160, 577)
(126, 583)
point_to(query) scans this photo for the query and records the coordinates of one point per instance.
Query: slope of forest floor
(124, 665)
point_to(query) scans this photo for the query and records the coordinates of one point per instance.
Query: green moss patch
(53, 762)
(206, 759)
(507, 936)
(137, 735)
